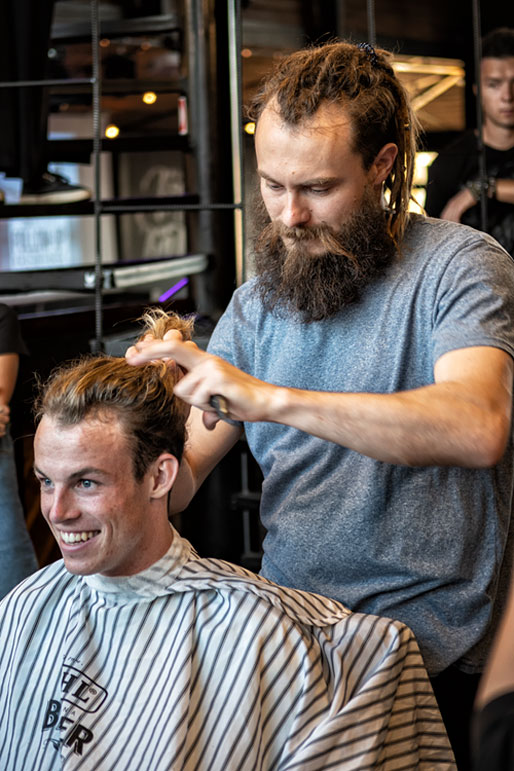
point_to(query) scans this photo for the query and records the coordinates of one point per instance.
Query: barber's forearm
(203, 451)
(464, 419)
(435, 425)
(183, 490)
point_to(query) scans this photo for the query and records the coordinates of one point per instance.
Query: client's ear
(163, 472)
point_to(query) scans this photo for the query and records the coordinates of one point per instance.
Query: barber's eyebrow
(264, 175)
(305, 183)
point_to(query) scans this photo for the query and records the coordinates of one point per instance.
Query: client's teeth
(76, 537)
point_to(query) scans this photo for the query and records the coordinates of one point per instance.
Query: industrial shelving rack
(197, 16)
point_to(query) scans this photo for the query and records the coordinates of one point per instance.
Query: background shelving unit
(206, 32)
(71, 310)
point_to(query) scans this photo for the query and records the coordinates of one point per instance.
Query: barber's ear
(383, 163)
(164, 471)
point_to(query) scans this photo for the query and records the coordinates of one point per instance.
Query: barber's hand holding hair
(206, 375)
(149, 340)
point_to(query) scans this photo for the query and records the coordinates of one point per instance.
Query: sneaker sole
(55, 197)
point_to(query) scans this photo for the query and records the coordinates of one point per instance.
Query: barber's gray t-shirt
(426, 545)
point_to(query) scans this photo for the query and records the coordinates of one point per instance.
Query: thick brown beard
(318, 286)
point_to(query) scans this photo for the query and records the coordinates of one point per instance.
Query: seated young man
(132, 652)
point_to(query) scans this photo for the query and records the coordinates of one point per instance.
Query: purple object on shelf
(173, 290)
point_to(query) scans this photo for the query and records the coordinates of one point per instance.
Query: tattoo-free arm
(464, 200)
(505, 190)
(203, 451)
(462, 419)
(8, 374)
(457, 205)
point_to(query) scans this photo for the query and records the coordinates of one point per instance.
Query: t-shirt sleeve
(235, 334)
(475, 298)
(10, 336)
(220, 341)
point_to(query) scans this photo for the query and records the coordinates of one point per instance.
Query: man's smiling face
(103, 519)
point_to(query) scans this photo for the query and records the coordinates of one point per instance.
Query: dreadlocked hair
(141, 397)
(366, 86)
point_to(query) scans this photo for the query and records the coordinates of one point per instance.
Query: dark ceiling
(421, 28)
(429, 27)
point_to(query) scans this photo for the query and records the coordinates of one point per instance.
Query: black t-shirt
(10, 336)
(493, 735)
(458, 164)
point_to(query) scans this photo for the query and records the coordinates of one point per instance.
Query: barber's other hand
(206, 375)
(4, 418)
(150, 349)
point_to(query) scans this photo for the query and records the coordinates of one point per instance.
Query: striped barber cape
(199, 664)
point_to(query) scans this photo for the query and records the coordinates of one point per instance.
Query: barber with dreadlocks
(371, 361)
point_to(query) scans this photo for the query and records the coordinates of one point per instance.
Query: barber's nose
(295, 212)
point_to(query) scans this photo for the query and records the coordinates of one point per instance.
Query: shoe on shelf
(53, 188)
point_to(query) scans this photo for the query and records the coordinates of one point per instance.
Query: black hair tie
(370, 51)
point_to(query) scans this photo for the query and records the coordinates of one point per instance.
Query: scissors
(219, 403)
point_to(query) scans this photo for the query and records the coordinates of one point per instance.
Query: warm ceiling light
(111, 131)
(104, 42)
(424, 159)
(149, 97)
(246, 53)
(250, 127)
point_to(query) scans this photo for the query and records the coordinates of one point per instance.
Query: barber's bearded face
(318, 285)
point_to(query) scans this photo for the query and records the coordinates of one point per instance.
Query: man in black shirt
(454, 186)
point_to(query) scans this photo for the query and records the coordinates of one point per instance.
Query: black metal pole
(372, 32)
(95, 55)
(236, 114)
(482, 169)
